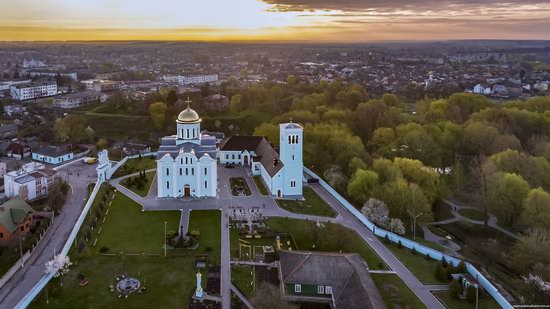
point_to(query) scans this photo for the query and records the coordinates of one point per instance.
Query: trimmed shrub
(461, 268)
(455, 289)
(413, 251)
(439, 272)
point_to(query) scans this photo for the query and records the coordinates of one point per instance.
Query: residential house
(15, 219)
(482, 89)
(17, 150)
(341, 280)
(52, 155)
(31, 182)
(74, 100)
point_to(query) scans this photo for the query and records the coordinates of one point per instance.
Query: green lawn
(473, 214)
(442, 211)
(208, 223)
(331, 238)
(260, 185)
(422, 269)
(313, 205)
(136, 165)
(145, 190)
(128, 229)
(242, 277)
(485, 302)
(239, 182)
(169, 280)
(395, 292)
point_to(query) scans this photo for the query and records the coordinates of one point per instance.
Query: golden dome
(188, 115)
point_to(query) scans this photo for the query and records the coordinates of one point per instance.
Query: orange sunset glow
(279, 20)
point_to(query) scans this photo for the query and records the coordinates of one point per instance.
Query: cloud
(396, 5)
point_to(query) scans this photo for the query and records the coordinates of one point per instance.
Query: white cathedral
(187, 162)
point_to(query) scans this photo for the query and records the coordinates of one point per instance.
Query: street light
(164, 238)
(414, 222)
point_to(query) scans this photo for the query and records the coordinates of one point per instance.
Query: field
(136, 165)
(395, 293)
(128, 233)
(260, 185)
(473, 214)
(145, 190)
(313, 205)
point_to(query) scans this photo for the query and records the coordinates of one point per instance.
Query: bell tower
(291, 154)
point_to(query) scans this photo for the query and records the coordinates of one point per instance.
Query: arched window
(186, 171)
(289, 139)
(186, 160)
(296, 139)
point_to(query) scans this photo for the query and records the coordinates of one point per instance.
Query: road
(79, 175)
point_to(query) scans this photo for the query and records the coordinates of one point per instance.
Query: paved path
(225, 266)
(54, 240)
(184, 221)
(239, 262)
(492, 222)
(241, 297)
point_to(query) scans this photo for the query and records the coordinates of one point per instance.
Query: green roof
(13, 213)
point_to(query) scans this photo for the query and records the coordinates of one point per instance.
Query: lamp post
(414, 222)
(165, 238)
(477, 296)
(21, 252)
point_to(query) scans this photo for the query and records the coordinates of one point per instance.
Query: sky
(273, 20)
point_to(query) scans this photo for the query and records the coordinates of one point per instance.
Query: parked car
(230, 165)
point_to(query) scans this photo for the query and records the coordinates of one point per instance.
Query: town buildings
(52, 155)
(191, 79)
(79, 99)
(31, 182)
(34, 90)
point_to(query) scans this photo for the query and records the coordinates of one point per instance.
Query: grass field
(208, 223)
(169, 280)
(130, 230)
(242, 277)
(485, 302)
(145, 190)
(422, 269)
(395, 293)
(136, 165)
(473, 214)
(260, 185)
(313, 205)
(331, 238)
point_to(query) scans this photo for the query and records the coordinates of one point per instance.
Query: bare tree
(483, 168)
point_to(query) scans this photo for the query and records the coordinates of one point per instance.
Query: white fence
(434, 254)
(72, 236)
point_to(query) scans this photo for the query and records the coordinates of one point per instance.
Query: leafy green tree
(536, 211)
(361, 185)
(291, 80)
(172, 97)
(158, 114)
(356, 164)
(270, 131)
(235, 105)
(72, 129)
(506, 193)
(531, 249)
(390, 99)
(439, 272)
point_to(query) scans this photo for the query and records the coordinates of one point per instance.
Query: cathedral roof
(188, 115)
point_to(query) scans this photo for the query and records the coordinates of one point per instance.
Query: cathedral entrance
(186, 191)
(245, 160)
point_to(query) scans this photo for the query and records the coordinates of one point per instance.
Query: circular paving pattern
(128, 285)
